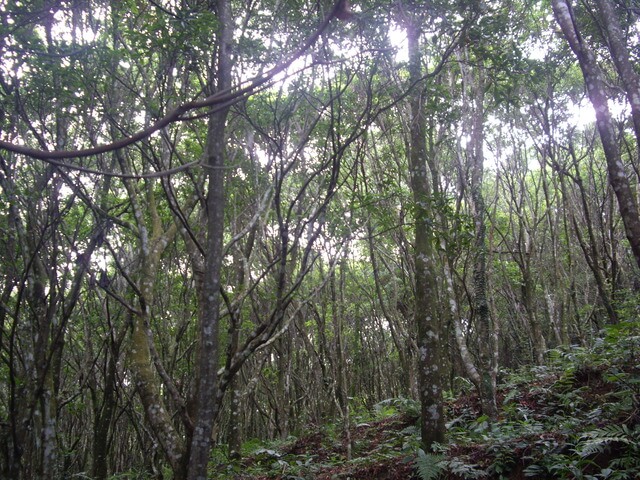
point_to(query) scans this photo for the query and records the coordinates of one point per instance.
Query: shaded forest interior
(303, 239)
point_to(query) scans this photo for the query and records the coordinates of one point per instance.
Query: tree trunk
(427, 318)
(590, 248)
(474, 84)
(620, 56)
(595, 83)
(342, 385)
(206, 400)
(104, 411)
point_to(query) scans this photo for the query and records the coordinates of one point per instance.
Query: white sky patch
(581, 114)
(101, 259)
(289, 75)
(262, 156)
(536, 51)
(619, 110)
(537, 47)
(398, 39)
(62, 29)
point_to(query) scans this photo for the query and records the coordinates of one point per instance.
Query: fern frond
(599, 439)
(429, 466)
(611, 430)
(465, 470)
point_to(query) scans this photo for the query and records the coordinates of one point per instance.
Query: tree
(596, 89)
(431, 365)
(474, 85)
(228, 221)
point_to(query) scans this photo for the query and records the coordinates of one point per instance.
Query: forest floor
(578, 417)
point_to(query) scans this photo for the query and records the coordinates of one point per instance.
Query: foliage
(577, 417)
(393, 406)
(548, 416)
(317, 328)
(429, 465)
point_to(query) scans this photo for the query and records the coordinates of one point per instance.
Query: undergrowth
(577, 417)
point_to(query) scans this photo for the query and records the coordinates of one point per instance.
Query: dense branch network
(221, 99)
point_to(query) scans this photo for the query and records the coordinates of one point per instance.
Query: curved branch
(127, 176)
(223, 97)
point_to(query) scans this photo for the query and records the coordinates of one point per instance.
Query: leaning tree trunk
(148, 386)
(622, 61)
(594, 79)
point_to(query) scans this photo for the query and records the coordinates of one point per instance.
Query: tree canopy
(225, 221)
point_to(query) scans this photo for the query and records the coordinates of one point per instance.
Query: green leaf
(430, 466)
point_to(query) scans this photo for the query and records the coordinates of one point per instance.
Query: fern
(465, 470)
(430, 466)
(410, 430)
(391, 406)
(598, 440)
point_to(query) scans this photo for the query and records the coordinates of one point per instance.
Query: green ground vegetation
(577, 417)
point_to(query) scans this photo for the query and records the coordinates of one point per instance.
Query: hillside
(577, 417)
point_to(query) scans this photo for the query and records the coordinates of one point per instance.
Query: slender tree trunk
(234, 435)
(342, 386)
(207, 394)
(153, 242)
(527, 289)
(40, 320)
(141, 364)
(283, 389)
(474, 84)
(206, 405)
(104, 411)
(459, 334)
(403, 348)
(429, 325)
(590, 248)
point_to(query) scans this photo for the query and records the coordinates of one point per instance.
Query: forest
(295, 239)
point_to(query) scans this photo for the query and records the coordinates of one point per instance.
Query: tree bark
(474, 84)
(207, 396)
(342, 384)
(427, 318)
